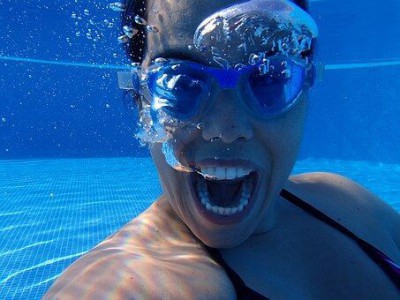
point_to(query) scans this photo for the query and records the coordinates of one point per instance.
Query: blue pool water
(54, 211)
(71, 172)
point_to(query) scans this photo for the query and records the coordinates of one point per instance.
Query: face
(242, 160)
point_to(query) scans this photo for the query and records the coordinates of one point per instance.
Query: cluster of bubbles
(155, 126)
(92, 28)
(246, 30)
(129, 32)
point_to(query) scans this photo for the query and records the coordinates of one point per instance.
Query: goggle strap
(128, 80)
(319, 71)
(125, 81)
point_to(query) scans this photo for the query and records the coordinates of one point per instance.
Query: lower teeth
(245, 191)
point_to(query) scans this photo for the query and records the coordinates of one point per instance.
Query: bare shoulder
(152, 257)
(351, 205)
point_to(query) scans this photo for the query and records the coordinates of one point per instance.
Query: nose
(226, 119)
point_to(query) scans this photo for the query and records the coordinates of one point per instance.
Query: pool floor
(53, 211)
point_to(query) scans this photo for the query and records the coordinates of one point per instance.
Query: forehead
(177, 21)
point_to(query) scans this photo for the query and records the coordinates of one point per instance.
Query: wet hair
(136, 46)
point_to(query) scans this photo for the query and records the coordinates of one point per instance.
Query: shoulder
(351, 205)
(151, 257)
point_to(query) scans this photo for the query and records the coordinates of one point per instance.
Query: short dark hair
(135, 47)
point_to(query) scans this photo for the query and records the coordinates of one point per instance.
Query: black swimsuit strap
(381, 259)
(242, 291)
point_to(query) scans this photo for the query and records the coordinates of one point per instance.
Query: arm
(152, 257)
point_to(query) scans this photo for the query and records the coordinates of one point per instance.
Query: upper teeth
(223, 173)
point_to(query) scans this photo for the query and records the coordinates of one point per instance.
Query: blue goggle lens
(276, 90)
(177, 91)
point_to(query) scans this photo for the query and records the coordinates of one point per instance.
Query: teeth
(223, 173)
(244, 201)
(245, 192)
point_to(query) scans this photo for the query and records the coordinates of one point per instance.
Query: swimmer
(222, 91)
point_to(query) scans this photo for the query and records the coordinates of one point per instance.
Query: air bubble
(152, 28)
(287, 73)
(78, 33)
(190, 47)
(266, 62)
(73, 16)
(263, 69)
(243, 47)
(117, 6)
(160, 61)
(175, 67)
(86, 12)
(284, 64)
(3, 120)
(215, 51)
(222, 62)
(139, 20)
(108, 105)
(239, 67)
(129, 31)
(253, 59)
(123, 39)
(171, 158)
(110, 25)
(202, 48)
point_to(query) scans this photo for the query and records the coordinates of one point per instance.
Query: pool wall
(60, 98)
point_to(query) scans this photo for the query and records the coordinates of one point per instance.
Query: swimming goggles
(182, 89)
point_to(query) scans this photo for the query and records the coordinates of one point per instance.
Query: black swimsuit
(391, 269)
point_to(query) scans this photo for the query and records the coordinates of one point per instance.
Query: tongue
(223, 192)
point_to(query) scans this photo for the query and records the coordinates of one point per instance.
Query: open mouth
(224, 191)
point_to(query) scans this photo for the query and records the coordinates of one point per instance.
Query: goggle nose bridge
(227, 79)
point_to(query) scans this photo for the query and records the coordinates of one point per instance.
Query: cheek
(283, 136)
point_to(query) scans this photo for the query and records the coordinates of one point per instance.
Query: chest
(317, 263)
